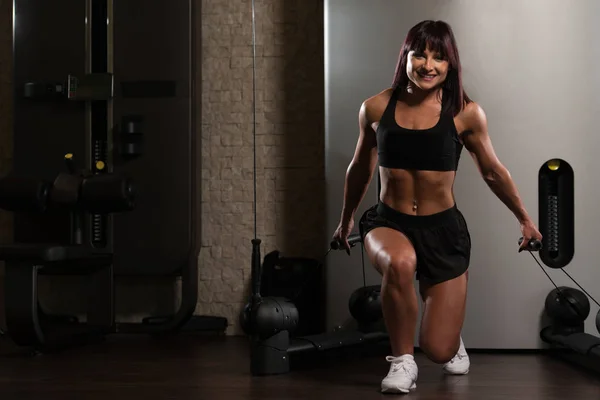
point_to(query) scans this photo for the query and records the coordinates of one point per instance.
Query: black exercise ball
(598, 321)
(567, 306)
(268, 316)
(365, 304)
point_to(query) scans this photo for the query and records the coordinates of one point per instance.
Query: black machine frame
(70, 77)
(566, 309)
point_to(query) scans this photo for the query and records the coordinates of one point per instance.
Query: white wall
(532, 66)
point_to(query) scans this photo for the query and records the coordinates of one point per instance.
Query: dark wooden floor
(188, 367)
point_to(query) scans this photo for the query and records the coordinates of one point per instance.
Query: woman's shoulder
(383, 96)
(375, 105)
(472, 116)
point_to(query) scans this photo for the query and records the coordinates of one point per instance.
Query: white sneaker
(460, 364)
(402, 376)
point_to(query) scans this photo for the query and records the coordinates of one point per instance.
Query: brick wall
(290, 142)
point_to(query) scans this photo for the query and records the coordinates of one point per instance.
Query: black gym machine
(566, 308)
(90, 196)
(72, 196)
(565, 312)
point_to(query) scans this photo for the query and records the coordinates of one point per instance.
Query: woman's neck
(414, 95)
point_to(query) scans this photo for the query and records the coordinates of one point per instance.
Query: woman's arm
(360, 170)
(358, 175)
(477, 141)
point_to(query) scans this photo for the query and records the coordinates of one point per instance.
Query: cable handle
(532, 245)
(353, 239)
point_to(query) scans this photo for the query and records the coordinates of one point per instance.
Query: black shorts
(441, 241)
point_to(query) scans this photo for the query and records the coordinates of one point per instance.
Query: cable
(362, 253)
(544, 271)
(594, 300)
(570, 277)
(256, 263)
(254, 109)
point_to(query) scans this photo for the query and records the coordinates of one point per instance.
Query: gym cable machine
(86, 192)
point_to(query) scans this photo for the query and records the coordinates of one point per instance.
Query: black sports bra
(434, 149)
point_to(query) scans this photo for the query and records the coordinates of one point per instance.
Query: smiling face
(429, 61)
(427, 69)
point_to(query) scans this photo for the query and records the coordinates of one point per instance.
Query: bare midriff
(417, 192)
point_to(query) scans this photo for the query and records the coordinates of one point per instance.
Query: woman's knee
(398, 268)
(392, 254)
(438, 350)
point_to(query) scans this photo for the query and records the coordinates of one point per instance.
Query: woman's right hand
(342, 232)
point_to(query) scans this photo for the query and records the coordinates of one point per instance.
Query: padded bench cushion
(44, 253)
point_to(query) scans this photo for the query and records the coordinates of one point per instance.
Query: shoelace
(458, 356)
(398, 365)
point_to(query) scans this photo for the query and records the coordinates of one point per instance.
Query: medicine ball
(598, 321)
(365, 304)
(567, 306)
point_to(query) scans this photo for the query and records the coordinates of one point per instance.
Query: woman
(416, 130)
